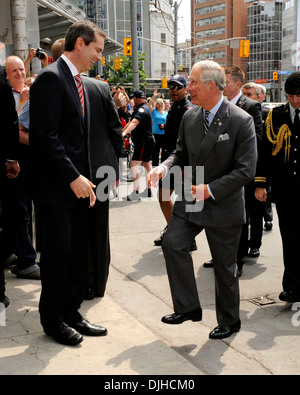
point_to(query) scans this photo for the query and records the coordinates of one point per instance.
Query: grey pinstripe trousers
(223, 243)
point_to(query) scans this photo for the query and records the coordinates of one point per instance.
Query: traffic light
(275, 75)
(118, 64)
(244, 48)
(103, 60)
(165, 83)
(127, 47)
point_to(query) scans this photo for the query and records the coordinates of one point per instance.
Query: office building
(214, 23)
(264, 33)
(290, 37)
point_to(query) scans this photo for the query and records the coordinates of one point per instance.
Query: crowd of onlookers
(154, 124)
(20, 255)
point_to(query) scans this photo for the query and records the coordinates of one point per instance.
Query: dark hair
(292, 84)
(84, 29)
(58, 48)
(237, 74)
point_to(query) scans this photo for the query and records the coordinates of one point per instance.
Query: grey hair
(263, 88)
(212, 72)
(252, 85)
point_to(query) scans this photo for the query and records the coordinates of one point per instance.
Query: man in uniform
(279, 164)
(177, 92)
(140, 128)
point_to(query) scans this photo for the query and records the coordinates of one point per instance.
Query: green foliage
(125, 75)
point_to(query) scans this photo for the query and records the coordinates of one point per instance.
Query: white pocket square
(223, 137)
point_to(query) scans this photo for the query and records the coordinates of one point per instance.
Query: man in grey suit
(220, 138)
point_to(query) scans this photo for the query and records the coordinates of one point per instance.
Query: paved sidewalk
(138, 296)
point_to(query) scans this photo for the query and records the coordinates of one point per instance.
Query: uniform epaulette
(277, 140)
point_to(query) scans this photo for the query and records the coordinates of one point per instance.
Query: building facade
(264, 33)
(213, 23)
(113, 16)
(162, 31)
(290, 38)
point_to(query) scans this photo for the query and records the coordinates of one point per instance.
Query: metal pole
(134, 38)
(19, 28)
(176, 6)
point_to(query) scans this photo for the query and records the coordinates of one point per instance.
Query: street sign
(284, 72)
(261, 81)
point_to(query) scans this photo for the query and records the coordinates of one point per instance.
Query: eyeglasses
(159, 102)
(175, 87)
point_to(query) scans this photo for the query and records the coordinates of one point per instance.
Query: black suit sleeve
(46, 134)
(255, 111)
(9, 121)
(114, 125)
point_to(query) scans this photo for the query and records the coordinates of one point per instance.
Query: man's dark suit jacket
(106, 142)
(60, 140)
(106, 148)
(9, 128)
(253, 108)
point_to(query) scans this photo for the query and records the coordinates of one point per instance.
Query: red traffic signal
(127, 47)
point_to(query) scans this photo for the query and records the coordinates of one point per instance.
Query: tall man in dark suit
(279, 165)
(235, 78)
(106, 148)
(9, 166)
(221, 138)
(59, 136)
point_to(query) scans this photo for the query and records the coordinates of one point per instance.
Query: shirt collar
(292, 112)
(214, 110)
(71, 66)
(236, 98)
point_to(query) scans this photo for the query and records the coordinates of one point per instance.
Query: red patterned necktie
(80, 91)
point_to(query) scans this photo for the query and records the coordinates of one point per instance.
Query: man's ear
(79, 43)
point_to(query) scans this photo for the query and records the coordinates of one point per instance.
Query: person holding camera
(36, 53)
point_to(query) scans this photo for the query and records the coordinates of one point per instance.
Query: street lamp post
(134, 38)
(176, 7)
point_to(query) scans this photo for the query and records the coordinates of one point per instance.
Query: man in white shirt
(59, 136)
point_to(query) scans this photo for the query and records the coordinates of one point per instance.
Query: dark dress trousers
(59, 137)
(228, 154)
(282, 171)
(106, 145)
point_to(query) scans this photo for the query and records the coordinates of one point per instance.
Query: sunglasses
(175, 87)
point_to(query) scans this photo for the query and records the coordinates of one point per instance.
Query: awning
(55, 17)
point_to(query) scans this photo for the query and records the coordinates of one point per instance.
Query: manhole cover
(262, 301)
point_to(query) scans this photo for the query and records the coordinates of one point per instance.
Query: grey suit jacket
(228, 154)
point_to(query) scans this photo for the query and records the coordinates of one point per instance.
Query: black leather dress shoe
(176, 319)
(5, 301)
(221, 332)
(87, 329)
(289, 297)
(65, 335)
(209, 264)
(240, 264)
(194, 246)
(89, 293)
